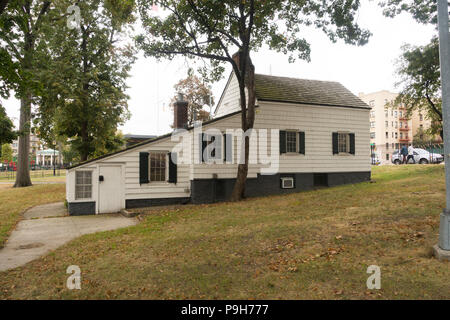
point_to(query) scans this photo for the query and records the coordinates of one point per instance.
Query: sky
(364, 69)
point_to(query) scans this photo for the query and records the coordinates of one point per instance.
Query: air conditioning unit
(287, 183)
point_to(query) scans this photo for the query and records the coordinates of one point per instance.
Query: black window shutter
(352, 143)
(213, 152)
(143, 167)
(301, 143)
(335, 143)
(282, 142)
(200, 147)
(172, 167)
(204, 145)
(228, 147)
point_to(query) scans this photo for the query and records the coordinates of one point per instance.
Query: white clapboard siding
(318, 123)
(134, 190)
(229, 101)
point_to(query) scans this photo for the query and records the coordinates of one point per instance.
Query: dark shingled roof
(283, 89)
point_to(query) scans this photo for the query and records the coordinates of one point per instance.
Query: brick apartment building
(390, 128)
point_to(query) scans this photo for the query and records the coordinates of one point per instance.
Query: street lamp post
(442, 250)
(54, 157)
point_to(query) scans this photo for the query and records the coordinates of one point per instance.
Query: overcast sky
(360, 69)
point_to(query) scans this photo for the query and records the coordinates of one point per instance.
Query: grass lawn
(309, 245)
(14, 201)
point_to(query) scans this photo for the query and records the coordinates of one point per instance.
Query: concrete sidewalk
(45, 228)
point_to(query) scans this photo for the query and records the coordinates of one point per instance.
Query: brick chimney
(180, 116)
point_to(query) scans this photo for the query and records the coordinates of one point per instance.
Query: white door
(110, 189)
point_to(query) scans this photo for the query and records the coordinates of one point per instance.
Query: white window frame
(77, 197)
(347, 142)
(166, 169)
(296, 141)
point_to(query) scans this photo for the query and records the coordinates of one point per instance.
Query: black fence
(9, 172)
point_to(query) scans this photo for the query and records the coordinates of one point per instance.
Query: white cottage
(317, 134)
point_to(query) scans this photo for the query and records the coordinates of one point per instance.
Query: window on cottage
(157, 166)
(83, 185)
(343, 142)
(291, 141)
(372, 135)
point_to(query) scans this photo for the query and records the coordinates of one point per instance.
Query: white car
(421, 156)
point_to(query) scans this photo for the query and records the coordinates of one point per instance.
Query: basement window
(83, 185)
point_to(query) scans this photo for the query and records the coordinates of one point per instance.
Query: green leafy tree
(7, 153)
(214, 30)
(420, 82)
(21, 26)
(423, 138)
(423, 11)
(419, 67)
(198, 94)
(84, 98)
(7, 134)
(3, 4)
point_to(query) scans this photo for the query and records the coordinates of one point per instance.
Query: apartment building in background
(35, 145)
(390, 128)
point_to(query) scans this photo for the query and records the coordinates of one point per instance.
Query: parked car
(421, 156)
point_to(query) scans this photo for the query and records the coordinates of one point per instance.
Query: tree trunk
(23, 169)
(248, 119)
(84, 150)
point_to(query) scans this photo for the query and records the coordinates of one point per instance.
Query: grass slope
(310, 245)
